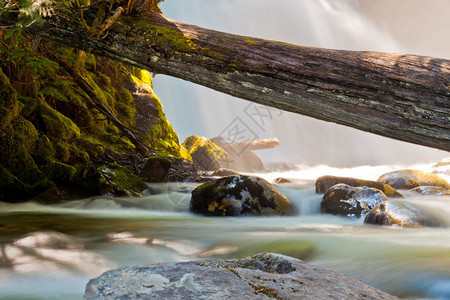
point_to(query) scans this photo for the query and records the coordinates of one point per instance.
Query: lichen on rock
(409, 179)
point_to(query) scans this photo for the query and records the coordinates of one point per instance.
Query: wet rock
(431, 190)
(240, 196)
(116, 180)
(408, 179)
(205, 154)
(354, 202)
(156, 169)
(262, 276)
(325, 182)
(224, 172)
(403, 214)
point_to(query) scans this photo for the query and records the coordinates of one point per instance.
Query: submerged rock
(431, 190)
(156, 169)
(354, 202)
(403, 214)
(408, 179)
(240, 196)
(262, 276)
(325, 182)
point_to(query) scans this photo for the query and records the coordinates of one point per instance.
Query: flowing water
(50, 252)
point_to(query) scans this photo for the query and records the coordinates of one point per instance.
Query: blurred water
(51, 252)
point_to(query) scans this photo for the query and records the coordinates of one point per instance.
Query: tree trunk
(405, 97)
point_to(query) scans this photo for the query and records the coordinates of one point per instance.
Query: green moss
(160, 35)
(43, 150)
(21, 164)
(50, 196)
(124, 96)
(93, 147)
(119, 181)
(23, 132)
(29, 106)
(47, 136)
(60, 173)
(57, 125)
(9, 108)
(62, 150)
(11, 188)
(203, 148)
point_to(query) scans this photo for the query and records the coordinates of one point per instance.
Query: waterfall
(343, 24)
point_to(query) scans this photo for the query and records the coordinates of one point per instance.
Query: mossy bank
(55, 143)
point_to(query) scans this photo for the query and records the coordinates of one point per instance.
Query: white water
(51, 252)
(406, 26)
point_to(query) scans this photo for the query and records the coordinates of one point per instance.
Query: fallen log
(401, 96)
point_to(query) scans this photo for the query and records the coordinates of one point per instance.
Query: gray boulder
(263, 276)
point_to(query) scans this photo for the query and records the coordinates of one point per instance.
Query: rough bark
(405, 97)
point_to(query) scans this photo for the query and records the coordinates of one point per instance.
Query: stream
(50, 252)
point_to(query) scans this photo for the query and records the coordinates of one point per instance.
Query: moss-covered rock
(325, 182)
(43, 150)
(29, 106)
(156, 169)
(240, 196)
(60, 173)
(402, 214)
(11, 188)
(9, 108)
(224, 172)
(51, 133)
(116, 180)
(23, 132)
(408, 179)
(205, 154)
(50, 196)
(57, 125)
(22, 165)
(353, 202)
(151, 122)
